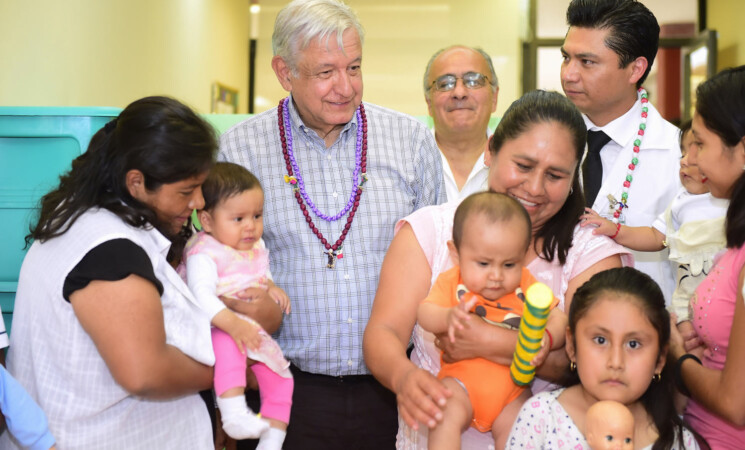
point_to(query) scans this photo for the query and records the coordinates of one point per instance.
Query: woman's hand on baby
(604, 226)
(258, 305)
(420, 398)
(248, 294)
(691, 341)
(458, 316)
(471, 342)
(280, 297)
(240, 302)
(677, 342)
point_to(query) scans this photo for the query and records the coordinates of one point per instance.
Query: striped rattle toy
(532, 325)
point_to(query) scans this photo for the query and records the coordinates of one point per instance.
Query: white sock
(238, 421)
(272, 439)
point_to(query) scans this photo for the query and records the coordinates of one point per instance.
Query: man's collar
(613, 123)
(623, 129)
(298, 124)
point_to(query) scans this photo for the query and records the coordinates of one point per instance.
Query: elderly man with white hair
(337, 173)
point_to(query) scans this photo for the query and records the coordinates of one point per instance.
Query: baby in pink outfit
(227, 257)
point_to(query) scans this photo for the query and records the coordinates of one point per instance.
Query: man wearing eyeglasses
(461, 89)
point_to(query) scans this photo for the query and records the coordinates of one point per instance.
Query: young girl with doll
(617, 343)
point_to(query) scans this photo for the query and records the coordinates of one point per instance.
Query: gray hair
(493, 81)
(301, 21)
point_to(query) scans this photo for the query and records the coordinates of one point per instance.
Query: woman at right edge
(712, 373)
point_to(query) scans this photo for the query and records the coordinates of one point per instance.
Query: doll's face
(609, 426)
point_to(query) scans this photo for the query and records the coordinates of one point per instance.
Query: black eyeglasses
(471, 80)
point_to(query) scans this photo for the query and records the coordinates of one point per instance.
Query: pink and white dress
(213, 270)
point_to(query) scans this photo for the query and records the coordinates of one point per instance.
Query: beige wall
(110, 52)
(401, 35)
(726, 16)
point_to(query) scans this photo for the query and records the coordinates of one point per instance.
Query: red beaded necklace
(333, 251)
(617, 206)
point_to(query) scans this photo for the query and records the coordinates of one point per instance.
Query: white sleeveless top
(58, 364)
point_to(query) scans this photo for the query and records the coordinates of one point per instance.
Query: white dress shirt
(655, 179)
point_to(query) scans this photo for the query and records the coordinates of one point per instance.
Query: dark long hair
(159, 136)
(720, 102)
(541, 107)
(634, 30)
(658, 398)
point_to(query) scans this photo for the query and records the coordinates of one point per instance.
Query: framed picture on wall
(224, 99)
(699, 64)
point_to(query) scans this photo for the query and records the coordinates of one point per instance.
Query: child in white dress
(692, 228)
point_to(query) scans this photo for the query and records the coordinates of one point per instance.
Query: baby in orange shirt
(491, 234)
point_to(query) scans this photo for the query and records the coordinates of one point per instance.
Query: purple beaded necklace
(293, 177)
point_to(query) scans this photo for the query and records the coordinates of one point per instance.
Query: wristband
(550, 339)
(679, 373)
(618, 228)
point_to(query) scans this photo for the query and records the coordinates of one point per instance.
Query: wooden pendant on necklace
(333, 255)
